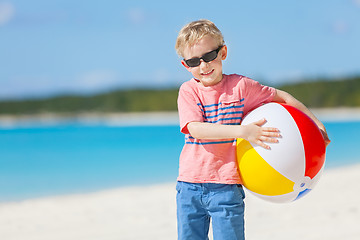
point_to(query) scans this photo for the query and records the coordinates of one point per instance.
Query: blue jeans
(198, 202)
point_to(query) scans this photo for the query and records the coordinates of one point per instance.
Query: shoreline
(337, 114)
(91, 118)
(330, 211)
(144, 118)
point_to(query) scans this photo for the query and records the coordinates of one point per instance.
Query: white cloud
(45, 85)
(97, 80)
(7, 11)
(136, 15)
(340, 27)
(21, 86)
(356, 2)
(286, 76)
(162, 76)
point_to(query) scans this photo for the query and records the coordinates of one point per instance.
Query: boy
(211, 106)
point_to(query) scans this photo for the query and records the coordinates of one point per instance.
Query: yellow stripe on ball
(257, 175)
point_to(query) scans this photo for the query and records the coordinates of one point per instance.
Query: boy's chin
(207, 82)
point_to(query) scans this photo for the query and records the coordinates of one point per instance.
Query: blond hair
(191, 33)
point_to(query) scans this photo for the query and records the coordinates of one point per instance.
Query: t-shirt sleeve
(257, 94)
(188, 107)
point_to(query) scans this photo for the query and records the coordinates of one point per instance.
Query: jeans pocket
(240, 190)
(178, 187)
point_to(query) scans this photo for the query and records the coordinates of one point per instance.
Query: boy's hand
(326, 137)
(256, 134)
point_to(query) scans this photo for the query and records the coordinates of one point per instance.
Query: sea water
(68, 158)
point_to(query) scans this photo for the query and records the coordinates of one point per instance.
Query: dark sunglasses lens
(193, 62)
(210, 56)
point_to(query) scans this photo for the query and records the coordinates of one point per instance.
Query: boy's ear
(224, 52)
(186, 66)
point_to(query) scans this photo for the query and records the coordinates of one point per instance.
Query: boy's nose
(203, 63)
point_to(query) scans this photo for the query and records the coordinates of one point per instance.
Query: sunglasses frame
(202, 57)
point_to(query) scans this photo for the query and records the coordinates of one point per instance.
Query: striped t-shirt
(214, 161)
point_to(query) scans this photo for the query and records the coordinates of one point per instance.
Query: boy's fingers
(272, 133)
(261, 144)
(260, 122)
(326, 137)
(269, 139)
(271, 129)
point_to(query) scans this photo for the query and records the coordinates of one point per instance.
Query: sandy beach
(330, 211)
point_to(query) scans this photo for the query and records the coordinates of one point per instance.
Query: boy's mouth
(207, 73)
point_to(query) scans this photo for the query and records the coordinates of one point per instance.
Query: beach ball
(292, 167)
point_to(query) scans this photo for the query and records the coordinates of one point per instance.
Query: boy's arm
(252, 132)
(284, 97)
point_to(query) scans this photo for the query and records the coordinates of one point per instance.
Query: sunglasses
(207, 57)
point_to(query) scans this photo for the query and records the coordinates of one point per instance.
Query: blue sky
(72, 46)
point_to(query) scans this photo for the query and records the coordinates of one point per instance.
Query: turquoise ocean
(70, 157)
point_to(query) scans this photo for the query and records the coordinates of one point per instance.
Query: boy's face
(208, 73)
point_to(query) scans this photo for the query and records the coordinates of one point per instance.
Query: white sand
(330, 211)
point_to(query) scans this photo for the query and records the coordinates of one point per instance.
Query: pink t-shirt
(214, 161)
